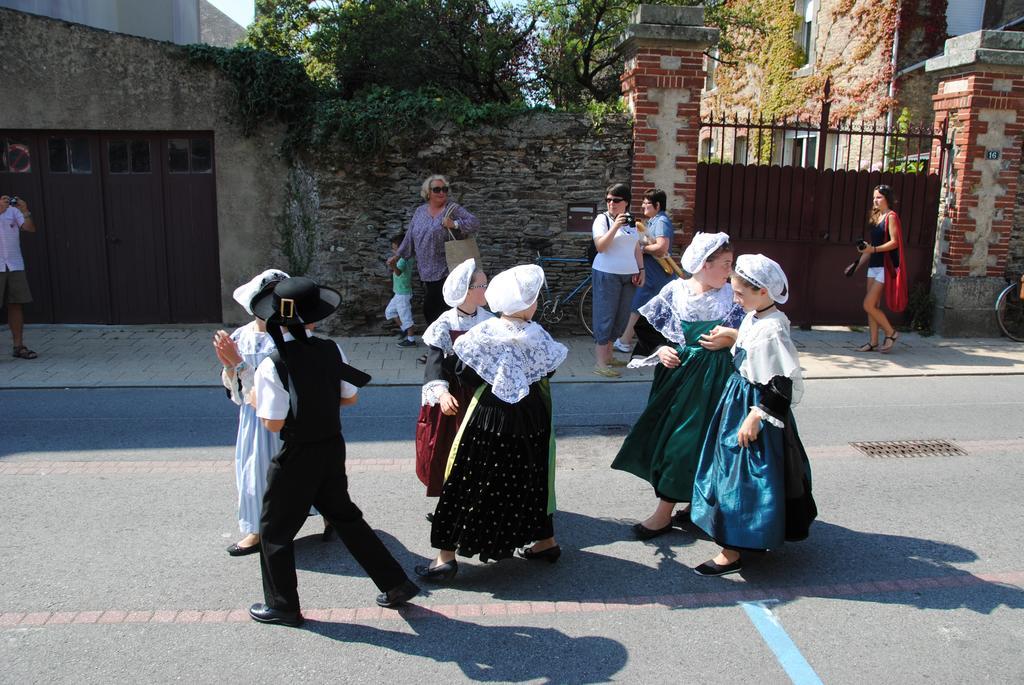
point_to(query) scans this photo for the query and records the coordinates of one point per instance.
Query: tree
(289, 28)
(456, 46)
(576, 56)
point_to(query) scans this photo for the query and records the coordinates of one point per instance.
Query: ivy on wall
(853, 46)
(270, 87)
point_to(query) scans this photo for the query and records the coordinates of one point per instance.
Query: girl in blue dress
(752, 489)
(240, 353)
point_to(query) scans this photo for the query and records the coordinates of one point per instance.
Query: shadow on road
(493, 653)
(833, 557)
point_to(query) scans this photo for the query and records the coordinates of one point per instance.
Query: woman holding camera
(886, 239)
(618, 271)
(655, 246)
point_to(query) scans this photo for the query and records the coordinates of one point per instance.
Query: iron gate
(800, 192)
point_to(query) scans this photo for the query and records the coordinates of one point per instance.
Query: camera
(630, 219)
(862, 245)
(12, 201)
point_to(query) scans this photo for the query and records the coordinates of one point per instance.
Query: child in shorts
(400, 306)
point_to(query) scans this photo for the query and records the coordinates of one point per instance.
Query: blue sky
(239, 10)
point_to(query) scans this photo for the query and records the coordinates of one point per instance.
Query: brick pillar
(981, 98)
(663, 47)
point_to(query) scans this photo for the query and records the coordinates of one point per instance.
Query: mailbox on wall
(580, 217)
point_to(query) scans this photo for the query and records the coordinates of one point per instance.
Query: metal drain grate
(909, 449)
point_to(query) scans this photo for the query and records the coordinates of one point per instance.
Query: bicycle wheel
(586, 311)
(1010, 312)
(550, 312)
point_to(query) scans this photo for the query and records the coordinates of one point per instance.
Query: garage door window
(128, 156)
(185, 155)
(70, 156)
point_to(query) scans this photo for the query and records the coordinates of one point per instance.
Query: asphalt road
(118, 504)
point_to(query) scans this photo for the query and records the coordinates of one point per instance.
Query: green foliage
(460, 46)
(600, 112)
(576, 60)
(383, 117)
(289, 28)
(920, 307)
(778, 57)
(363, 125)
(899, 148)
(266, 85)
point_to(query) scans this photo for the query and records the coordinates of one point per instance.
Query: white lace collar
(437, 335)
(251, 340)
(769, 351)
(510, 355)
(676, 305)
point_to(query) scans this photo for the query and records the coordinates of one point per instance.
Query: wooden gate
(800, 192)
(127, 225)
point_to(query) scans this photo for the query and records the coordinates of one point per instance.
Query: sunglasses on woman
(614, 199)
(439, 189)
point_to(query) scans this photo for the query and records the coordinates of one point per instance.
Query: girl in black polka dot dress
(498, 493)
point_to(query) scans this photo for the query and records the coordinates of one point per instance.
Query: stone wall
(73, 77)
(518, 179)
(1015, 259)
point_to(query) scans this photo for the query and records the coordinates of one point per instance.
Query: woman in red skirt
(444, 399)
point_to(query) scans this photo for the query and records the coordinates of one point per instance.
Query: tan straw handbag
(458, 250)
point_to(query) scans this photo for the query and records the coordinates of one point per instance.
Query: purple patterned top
(425, 239)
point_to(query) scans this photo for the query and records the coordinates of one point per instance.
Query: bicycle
(552, 309)
(1010, 310)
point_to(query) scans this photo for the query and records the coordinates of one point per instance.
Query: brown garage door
(127, 225)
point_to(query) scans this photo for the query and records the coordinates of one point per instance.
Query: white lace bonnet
(515, 289)
(456, 286)
(700, 248)
(245, 293)
(764, 273)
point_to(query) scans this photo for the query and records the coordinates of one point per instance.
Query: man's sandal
(22, 352)
(867, 347)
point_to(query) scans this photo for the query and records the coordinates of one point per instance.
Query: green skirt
(664, 444)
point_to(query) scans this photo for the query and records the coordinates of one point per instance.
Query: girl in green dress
(695, 319)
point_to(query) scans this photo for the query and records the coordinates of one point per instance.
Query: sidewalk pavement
(74, 356)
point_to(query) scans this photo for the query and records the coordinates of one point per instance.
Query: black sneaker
(405, 342)
(396, 597)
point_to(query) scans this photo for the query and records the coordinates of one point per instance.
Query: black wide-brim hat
(296, 301)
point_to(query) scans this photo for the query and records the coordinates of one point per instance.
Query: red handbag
(896, 289)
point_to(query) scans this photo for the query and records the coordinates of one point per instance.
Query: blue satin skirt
(739, 493)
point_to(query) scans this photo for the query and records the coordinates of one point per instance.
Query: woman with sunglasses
(618, 271)
(425, 238)
(882, 254)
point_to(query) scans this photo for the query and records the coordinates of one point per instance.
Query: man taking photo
(14, 291)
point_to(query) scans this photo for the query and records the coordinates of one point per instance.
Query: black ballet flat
(682, 519)
(236, 551)
(710, 569)
(642, 532)
(445, 571)
(549, 555)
